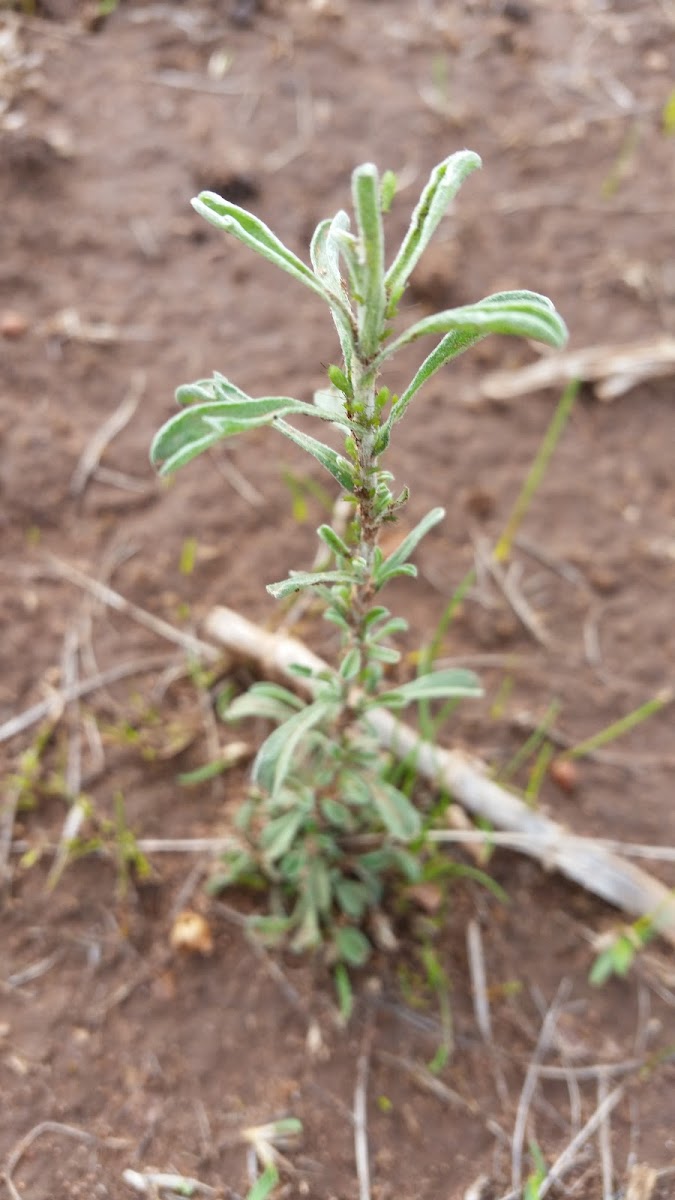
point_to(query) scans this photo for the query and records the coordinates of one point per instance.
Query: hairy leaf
(325, 255)
(444, 182)
(201, 426)
(366, 197)
(338, 466)
(352, 946)
(304, 579)
(397, 814)
(521, 314)
(402, 553)
(435, 686)
(275, 756)
(253, 233)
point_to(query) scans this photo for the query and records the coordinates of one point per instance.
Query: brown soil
(101, 147)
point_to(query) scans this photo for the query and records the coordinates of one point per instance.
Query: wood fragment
(465, 778)
(52, 708)
(192, 645)
(612, 369)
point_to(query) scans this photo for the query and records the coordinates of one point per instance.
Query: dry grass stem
(192, 645)
(80, 1135)
(605, 1142)
(544, 1042)
(52, 708)
(93, 452)
(565, 1160)
(361, 1122)
(507, 583)
(481, 1003)
(612, 369)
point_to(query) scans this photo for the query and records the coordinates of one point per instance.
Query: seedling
(320, 779)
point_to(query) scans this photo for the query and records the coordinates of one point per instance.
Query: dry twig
(96, 446)
(613, 370)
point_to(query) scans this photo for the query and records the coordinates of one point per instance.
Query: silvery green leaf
(202, 391)
(325, 255)
(334, 541)
(366, 199)
(351, 664)
(308, 936)
(348, 247)
(444, 182)
(352, 896)
(304, 579)
(386, 573)
(261, 701)
(529, 315)
(402, 553)
(452, 345)
(449, 347)
(274, 758)
(399, 817)
(454, 681)
(318, 886)
(352, 946)
(337, 814)
(201, 426)
(226, 390)
(385, 654)
(390, 629)
(279, 833)
(253, 233)
(338, 466)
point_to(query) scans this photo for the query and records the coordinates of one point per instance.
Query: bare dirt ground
(111, 289)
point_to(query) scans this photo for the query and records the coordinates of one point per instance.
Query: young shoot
(320, 779)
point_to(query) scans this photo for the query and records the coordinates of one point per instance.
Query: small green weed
(320, 780)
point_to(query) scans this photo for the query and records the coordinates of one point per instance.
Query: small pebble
(13, 325)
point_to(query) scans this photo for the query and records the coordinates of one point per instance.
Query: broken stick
(612, 370)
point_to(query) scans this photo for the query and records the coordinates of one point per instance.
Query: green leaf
(402, 553)
(366, 199)
(449, 347)
(435, 686)
(344, 992)
(304, 579)
(338, 466)
(325, 255)
(337, 814)
(210, 770)
(274, 758)
(308, 936)
(444, 183)
(352, 946)
(253, 233)
(388, 187)
(268, 701)
(280, 832)
(351, 664)
(396, 812)
(352, 896)
(318, 886)
(334, 541)
(201, 426)
(264, 1184)
(208, 390)
(520, 314)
